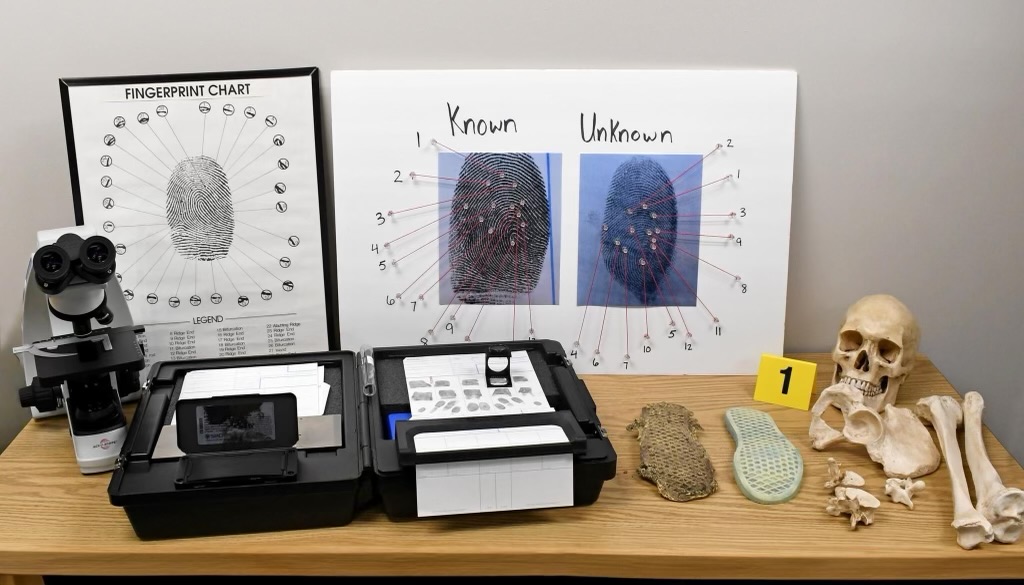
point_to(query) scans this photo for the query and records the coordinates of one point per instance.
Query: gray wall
(909, 173)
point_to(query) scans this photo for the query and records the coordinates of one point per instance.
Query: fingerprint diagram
(641, 230)
(499, 206)
(193, 198)
(199, 210)
(496, 235)
(635, 243)
(633, 220)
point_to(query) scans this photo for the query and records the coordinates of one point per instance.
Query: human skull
(876, 348)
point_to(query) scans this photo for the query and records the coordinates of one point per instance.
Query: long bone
(1002, 506)
(944, 413)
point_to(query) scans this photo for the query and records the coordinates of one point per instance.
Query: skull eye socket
(850, 340)
(888, 350)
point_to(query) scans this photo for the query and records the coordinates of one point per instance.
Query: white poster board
(640, 218)
(210, 187)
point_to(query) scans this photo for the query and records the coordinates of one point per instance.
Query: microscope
(71, 366)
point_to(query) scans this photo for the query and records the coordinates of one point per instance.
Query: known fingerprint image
(639, 220)
(499, 228)
(199, 209)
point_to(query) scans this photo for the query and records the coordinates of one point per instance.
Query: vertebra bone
(901, 491)
(838, 478)
(859, 504)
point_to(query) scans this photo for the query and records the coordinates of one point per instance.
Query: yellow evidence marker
(785, 381)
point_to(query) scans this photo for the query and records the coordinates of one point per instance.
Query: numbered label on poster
(785, 381)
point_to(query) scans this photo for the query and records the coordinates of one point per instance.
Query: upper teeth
(866, 388)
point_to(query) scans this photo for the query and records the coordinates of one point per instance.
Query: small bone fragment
(859, 504)
(838, 478)
(901, 491)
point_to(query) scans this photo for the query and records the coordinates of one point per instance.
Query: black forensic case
(394, 458)
(324, 486)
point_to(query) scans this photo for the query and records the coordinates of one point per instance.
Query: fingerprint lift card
(211, 188)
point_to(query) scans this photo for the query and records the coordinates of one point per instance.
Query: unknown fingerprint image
(639, 216)
(499, 228)
(199, 209)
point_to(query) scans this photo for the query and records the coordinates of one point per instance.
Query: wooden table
(53, 520)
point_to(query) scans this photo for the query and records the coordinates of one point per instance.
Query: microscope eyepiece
(97, 259)
(52, 266)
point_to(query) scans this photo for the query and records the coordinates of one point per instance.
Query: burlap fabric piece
(671, 456)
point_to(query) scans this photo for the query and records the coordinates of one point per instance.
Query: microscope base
(98, 453)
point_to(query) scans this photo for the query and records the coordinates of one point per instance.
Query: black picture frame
(327, 230)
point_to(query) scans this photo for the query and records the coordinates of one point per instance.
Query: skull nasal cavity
(862, 362)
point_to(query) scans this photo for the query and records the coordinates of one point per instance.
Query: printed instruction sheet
(305, 381)
(455, 385)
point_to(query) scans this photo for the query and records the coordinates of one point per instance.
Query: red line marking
(586, 305)
(643, 255)
(727, 236)
(625, 272)
(708, 263)
(466, 157)
(397, 260)
(479, 251)
(688, 285)
(677, 177)
(730, 214)
(399, 295)
(515, 281)
(615, 258)
(650, 268)
(415, 176)
(450, 267)
(393, 213)
(647, 324)
(691, 190)
(469, 335)
(388, 244)
(530, 307)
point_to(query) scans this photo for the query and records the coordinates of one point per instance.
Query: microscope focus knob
(44, 399)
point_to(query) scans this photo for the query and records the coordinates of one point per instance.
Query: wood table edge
(969, 565)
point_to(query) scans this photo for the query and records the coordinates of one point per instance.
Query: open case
(497, 467)
(318, 482)
(541, 445)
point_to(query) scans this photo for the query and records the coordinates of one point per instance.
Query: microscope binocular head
(72, 260)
